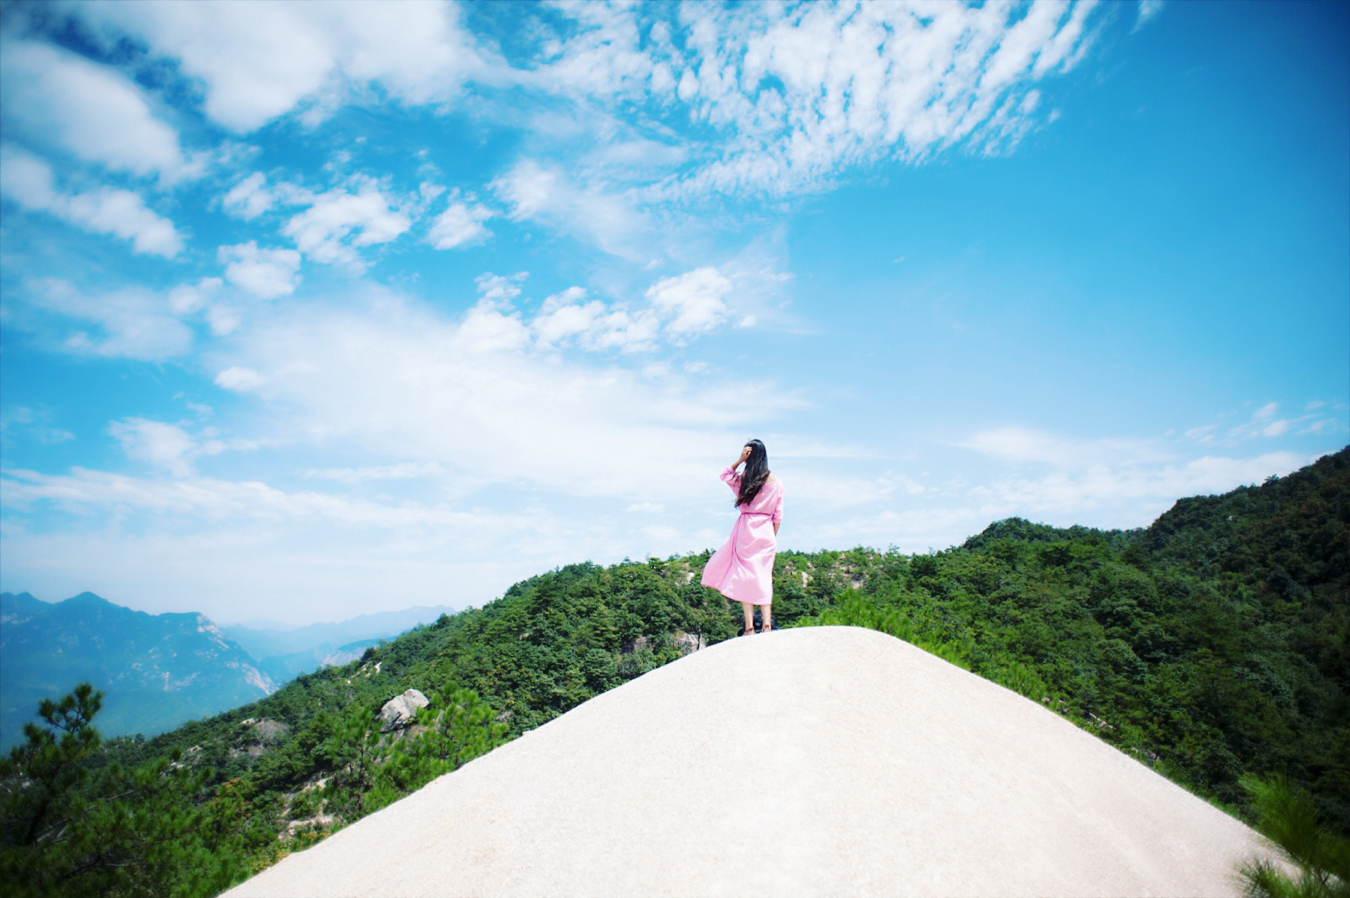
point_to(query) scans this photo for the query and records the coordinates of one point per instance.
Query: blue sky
(313, 310)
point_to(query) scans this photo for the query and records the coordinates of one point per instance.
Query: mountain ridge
(158, 670)
(92, 639)
(1205, 653)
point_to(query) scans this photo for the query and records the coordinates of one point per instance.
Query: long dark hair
(756, 472)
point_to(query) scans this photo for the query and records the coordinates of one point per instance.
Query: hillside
(1183, 645)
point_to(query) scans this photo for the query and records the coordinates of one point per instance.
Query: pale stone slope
(820, 761)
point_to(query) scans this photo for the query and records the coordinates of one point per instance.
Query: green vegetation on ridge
(1211, 645)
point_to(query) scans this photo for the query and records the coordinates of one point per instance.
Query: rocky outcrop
(812, 761)
(397, 713)
(689, 642)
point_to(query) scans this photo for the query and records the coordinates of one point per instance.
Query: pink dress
(743, 568)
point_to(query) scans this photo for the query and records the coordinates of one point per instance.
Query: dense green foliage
(1211, 645)
(1288, 817)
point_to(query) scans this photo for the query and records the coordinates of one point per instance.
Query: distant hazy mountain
(157, 671)
(285, 654)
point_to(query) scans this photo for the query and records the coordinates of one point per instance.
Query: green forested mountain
(1210, 645)
(158, 670)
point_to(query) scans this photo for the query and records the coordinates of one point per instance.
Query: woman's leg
(766, 616)
(749, 617)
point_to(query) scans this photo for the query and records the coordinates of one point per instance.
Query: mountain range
(159, 671)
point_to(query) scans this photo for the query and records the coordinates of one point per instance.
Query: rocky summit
(817, 761)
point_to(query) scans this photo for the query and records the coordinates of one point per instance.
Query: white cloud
(265, 273)
(549, 196)
(261, 60)
(33, 423)
(122, 214)
(186, 299)
(794, 94)
(338, 220)
(593, 325)
(131, 323)
(244, 549)
(679, 307)
(459, 224)
(498, 291)
(405, 471)
(562, 322)
(223, 318)
(165, 446)
(1110, 482)
(392, 379)
(693, 302)
(51, 94)
(602, 56)
(1147, 10)
(28, 181)
(1080, 493)
(249, 198)
(241, 380)
(1265, 422)
(1021, 445)
(170, 447)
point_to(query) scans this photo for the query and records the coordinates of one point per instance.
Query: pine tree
(1287, 816)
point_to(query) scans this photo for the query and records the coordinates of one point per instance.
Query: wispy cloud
(1147, 10)
(33, 423)
(405, 471)
(127, 323)
(29, 181)
(1266, 422)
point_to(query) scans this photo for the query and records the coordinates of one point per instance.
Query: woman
(743, 568)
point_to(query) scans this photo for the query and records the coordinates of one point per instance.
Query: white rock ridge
(820, 761)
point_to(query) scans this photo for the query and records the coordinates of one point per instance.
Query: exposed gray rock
(397, 713)
(689, 642)
(637, 645)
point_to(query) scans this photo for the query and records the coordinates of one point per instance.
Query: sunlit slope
(818, 761)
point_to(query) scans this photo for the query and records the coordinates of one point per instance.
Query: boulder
(689, 642)
(397, 713)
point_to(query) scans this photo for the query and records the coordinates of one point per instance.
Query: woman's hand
(745, 453)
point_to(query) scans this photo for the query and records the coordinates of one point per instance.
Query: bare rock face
(816, 761)
(689, 642)
(398, 712)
